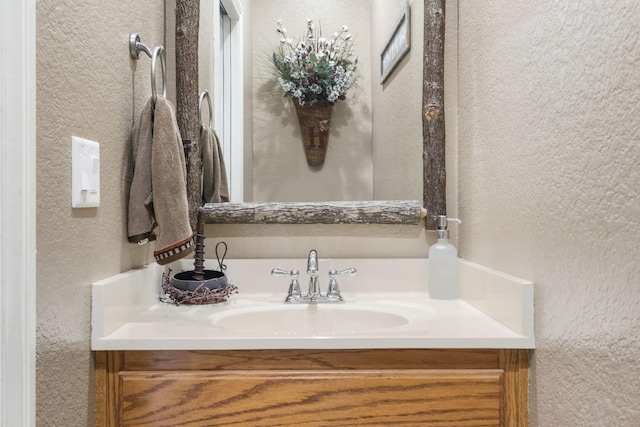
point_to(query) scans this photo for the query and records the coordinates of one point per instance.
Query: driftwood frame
(376, 212)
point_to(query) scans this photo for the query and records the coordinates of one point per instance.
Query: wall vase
(314, 125)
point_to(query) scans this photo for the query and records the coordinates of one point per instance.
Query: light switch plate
(85, 173)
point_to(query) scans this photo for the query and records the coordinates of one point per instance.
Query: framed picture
(397, 45)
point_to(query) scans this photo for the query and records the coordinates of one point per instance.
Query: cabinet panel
(328, 398)
(408, 387)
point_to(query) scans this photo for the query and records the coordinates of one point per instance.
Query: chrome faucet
(314, 295)
(313, 273)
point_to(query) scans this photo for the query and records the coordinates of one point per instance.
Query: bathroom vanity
(392, 356)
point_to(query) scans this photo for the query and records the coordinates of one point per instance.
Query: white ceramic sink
(495, 311)
(308, 319)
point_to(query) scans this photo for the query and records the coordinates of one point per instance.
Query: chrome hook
(158, 51)
(203, 95)
(135, 47)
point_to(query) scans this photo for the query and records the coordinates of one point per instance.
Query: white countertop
(496, 310)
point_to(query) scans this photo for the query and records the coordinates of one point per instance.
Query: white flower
(315, 69)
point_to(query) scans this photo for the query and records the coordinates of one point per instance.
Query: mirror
(389, 147)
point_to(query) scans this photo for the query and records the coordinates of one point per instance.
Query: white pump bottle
(443, 263)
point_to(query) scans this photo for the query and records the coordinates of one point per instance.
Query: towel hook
(158, 51)
(203, 95)
(135, 47)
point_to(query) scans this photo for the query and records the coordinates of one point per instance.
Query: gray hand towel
(215, 188)
(140, 221)
(158, 192)
(169, 185)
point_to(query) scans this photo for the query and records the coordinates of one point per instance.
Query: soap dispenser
(443, 263)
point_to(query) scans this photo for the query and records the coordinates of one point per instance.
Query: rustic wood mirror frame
(365, 212)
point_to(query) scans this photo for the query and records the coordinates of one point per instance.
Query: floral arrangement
(315, 69)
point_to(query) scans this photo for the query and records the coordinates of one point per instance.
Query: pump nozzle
(442, 223)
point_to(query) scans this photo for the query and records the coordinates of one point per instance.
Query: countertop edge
(312, 343)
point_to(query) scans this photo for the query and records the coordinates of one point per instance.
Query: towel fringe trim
(173, 250)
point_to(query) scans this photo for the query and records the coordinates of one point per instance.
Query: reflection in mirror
(229, 108)
(375, 137)
(376, 149)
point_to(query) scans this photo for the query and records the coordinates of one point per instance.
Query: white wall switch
(85, 173)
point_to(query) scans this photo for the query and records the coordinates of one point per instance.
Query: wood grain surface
(312, 398)
(408, 212)
(408, 387)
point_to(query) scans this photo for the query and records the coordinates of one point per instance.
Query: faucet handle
(278, 272)
(346, 272)
(334, 290)
(294, 293)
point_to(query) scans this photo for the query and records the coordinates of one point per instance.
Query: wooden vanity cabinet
(386, 387)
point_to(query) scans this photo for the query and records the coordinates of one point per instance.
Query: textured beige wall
(87, 86)
(549, 189)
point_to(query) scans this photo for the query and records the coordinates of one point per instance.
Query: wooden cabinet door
(384, 387)
(315, 398)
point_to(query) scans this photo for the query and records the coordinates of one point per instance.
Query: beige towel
(140, 221)
(215, 188)
(166, 205)
(169, 178)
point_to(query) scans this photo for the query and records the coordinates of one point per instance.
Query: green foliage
(315, 69)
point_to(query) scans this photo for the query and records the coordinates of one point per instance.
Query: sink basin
(308, 319)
